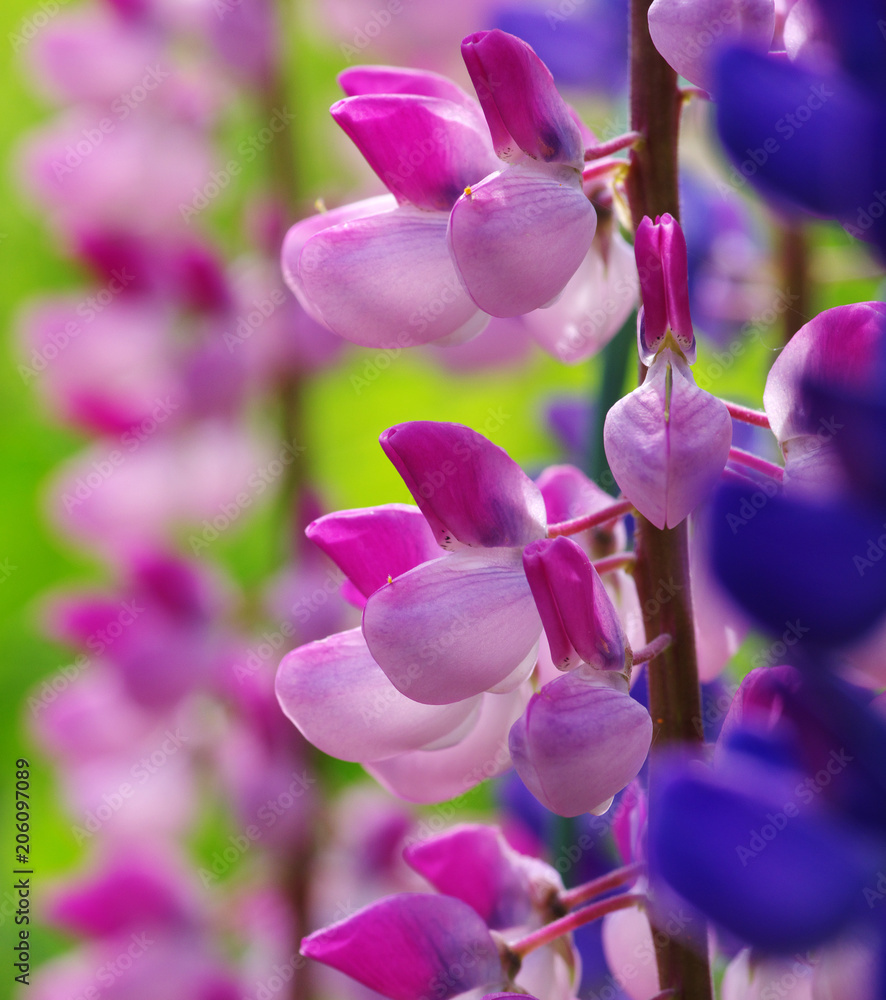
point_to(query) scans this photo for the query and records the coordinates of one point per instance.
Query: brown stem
(662, 571)
(795, 275)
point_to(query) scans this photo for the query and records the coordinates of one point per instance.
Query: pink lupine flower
(688, 35)
(458, 239)
(668, 441)
(378, 272)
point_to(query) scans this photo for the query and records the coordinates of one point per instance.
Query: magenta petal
(476, 864)
(688, 35)
(425, 150)
(520, 100)
(398, 80)
(667, 442)
(578, 616)
(386, 280)
(518, 236)
(439, 775)
(454, 627)
(339, 699)
(411, 946)
(579, 742)
(370, 545)
(467, 487)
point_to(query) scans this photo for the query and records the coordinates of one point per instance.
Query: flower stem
(748, 416)
(613, 513)
(611, 880)
(578, 918)
(755, 462)
(662, 572)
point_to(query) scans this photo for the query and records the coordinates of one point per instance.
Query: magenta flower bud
(660, 250)
(410, 946)
(580, 741)
(578, 616)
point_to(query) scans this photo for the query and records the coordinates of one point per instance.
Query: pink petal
(518, 236)
(425, 150)
(439, 775)
(688, 35)
(410, 946)
(467, 487)
(667, 442)
(663, 267)
(455, 627)
(578, 616)
(299, 234)
(339, 699)
(385, 280)
(594, 305)
(475, 863)
(580, 742)
(373, 544)
(520, 100)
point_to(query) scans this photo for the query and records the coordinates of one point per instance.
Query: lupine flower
(414, 944)
(457, 239)
(668, 441)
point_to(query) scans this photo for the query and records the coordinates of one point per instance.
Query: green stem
(662, 571)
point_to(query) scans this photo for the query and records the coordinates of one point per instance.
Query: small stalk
(594, 520)
(746, 458)
(572, 921)
(748, 416)
(590, 890)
